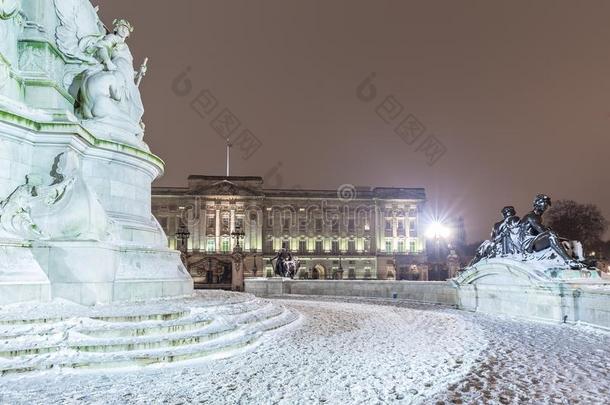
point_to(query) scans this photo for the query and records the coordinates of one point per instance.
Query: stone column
(217, 234)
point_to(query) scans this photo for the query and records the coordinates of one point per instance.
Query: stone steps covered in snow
(133, 334)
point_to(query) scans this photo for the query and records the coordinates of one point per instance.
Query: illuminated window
(401, 227)
(412, 229)
(211, 247)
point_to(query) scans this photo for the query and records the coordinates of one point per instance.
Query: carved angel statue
(57, 206)
(100, 75)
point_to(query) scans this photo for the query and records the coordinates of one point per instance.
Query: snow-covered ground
(346, 351)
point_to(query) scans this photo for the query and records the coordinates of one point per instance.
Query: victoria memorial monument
(75, 172)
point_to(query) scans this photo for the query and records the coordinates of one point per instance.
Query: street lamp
(340, 269)
(238, 235)
(254, 268)
(437, 231)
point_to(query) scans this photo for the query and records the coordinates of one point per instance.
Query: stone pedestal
(21, 276)
(75, 201)
(531, 291)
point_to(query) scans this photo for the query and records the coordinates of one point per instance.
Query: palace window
(388, 227)
(303, 225)
(225, 245)
(239, 223)
(412, 229)
(351, 225)
(401, 227)
(302, 246)
(318, 225)
(319, 247)
(335, 225)
(401, 246)
(412, 246)
(351, 246)
(211, 225)
(335, 247)
(286, 225)
(388, 246)
(225, 225)
(211, 245)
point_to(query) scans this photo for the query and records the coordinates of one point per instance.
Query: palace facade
(350, 233)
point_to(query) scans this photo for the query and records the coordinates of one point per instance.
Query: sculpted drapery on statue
(8, 8)
(56, 206)
(530, 239)
(100, 75)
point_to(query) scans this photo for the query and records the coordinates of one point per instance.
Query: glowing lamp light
(437, 230)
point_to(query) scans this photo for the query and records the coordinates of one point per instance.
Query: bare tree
(575, 221)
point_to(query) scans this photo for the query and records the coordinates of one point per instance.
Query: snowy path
(361, 352)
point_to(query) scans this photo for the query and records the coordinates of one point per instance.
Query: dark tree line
(575, 221)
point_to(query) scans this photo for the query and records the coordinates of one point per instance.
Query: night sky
(517, 93)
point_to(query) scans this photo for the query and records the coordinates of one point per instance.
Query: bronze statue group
(285, 264)
(530, 238)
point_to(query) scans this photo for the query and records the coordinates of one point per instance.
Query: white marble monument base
(92, 273)
(21, 277)
(526, 290)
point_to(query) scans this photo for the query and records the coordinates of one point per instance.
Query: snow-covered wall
(433, 292)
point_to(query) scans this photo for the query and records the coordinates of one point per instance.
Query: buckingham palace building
(348, 233)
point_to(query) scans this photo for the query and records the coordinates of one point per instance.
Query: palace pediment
(226, 187)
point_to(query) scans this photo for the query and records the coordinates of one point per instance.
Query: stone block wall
(433, 292)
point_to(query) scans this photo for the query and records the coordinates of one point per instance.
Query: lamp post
(437, 231)
(254, 268)
(340, 269)
(238, 235)
(182, 235)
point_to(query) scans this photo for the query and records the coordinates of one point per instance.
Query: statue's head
(508, 211)
(542, 202)
(122, 27)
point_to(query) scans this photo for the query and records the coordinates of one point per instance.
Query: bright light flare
(437, 230)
